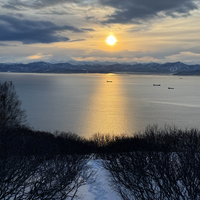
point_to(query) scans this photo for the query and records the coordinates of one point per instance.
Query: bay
(107, 103)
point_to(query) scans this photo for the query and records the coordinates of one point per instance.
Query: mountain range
(176, 68)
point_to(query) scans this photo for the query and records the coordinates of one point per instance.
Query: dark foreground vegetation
(158, 164)
(161, 163)
(25, 141)
(162, 173)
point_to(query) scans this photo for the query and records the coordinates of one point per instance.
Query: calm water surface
(87, 103)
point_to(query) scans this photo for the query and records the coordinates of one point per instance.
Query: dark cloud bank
(138, 11)
(126, 11)
(28, 31)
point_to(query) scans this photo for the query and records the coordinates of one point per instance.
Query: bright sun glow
(111, 40)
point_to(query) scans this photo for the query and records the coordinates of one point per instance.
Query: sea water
(107, 103)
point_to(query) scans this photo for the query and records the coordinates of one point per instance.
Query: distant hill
(176, 68)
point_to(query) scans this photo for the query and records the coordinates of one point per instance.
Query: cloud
(160, 55)
(121, 12)
(34, 4)
(54, 12)
(184, 56)
(87, 29)
(10, 7)
(126, 54)
(7, 45)
(28, 31)
(78, 40)
(38, 56)
(139, 11)
(62, 53)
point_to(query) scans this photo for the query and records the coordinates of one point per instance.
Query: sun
(111, 40)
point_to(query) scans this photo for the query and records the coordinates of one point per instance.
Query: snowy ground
(97, 188)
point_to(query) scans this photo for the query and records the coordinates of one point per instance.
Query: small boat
(156, 85)
(170, 88)
(109, 81)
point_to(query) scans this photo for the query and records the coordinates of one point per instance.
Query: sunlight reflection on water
(108, 109)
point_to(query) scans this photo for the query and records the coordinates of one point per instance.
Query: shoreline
(117, 73)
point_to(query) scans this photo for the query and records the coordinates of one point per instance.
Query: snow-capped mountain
(73, 66)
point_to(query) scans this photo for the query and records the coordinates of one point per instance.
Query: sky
(145, 30)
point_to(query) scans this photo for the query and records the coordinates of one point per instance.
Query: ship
(156, 85)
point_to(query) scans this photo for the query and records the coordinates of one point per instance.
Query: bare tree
(14, 172)
(38, 177)
(59, 178)
(158, 175)
(130, 177)
(11, 114)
